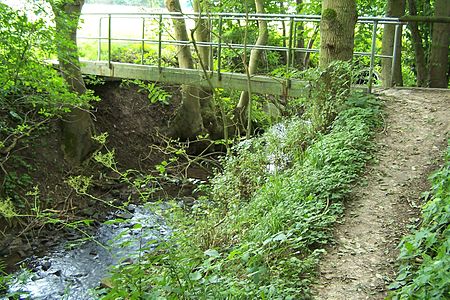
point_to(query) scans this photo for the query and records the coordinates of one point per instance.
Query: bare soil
(132, 122)
(362, 262)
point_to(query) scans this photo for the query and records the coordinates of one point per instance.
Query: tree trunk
(337, 34)
(202, 34)
(439, 47)
(255, 54)
(421, 67)
(300, 56)
(77, 125)
(188, 122)
(337, 31)
(394, 8)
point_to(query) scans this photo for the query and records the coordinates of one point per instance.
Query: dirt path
(362, 262)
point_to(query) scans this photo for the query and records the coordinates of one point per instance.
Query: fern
(155, 94)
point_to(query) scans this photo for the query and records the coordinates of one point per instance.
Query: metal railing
(159, 21)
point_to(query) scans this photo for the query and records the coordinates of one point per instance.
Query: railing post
(159, 43)
(372, 54)
(219, 50)
(289, 50)
(109, 41)
(143, 42)
(211, 52)
(398, 29)
(294, 43)
(99, 47)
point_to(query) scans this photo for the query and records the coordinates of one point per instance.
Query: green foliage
(130, 53)
(155, 94)
(150, 3)
(328, 90)
(26, 81)
(7, 208)
(4, 280)
(93, 80)
(3, 287)
(425, 253)
(144, 184)
(259, 231)
(14, 187)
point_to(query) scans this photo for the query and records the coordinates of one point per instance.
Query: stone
(125, 215)
(131, 208)
(22, 254)
(46, 265)
(106, 283)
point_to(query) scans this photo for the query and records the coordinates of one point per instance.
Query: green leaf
(212, 253)
(137, 226)
(281, 237)
(195, 276)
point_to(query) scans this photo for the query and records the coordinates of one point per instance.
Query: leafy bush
(425, 253)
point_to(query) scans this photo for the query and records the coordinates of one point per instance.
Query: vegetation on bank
(32, 95)
(264, 220)
(425, 253)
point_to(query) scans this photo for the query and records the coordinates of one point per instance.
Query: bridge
(150, 37)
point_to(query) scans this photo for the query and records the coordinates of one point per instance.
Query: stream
(71, 273)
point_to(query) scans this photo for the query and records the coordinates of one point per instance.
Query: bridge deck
(233, 81)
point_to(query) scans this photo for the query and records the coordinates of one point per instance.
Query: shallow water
(71, 274)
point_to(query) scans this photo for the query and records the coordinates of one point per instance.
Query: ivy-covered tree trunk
(394, 8)
(337, 31)
(439, 62)
(419, 52)
(188, 122)
(337, 35)
(255, 56)
(77, 125)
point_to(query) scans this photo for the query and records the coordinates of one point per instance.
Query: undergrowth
(425, 254)
(260, 228)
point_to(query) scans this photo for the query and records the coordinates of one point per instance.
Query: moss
(329, 14)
